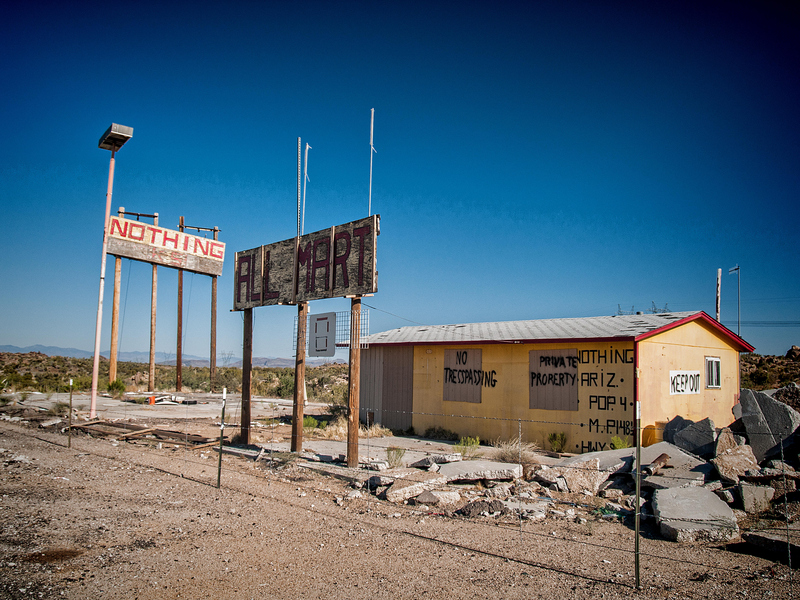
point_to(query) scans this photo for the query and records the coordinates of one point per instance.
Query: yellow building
(537, 378)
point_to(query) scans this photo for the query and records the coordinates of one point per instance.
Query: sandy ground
(107, 519)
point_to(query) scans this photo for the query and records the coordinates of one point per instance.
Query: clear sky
(534, 159)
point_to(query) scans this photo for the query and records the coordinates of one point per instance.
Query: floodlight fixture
(114, 137)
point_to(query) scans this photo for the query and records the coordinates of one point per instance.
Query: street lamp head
(114, 137)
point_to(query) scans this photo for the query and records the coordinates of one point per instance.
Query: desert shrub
(285, 387)
(515, 451)
(310, 422)
(469, 447)
(617, 443)
(440, 433)
(557, 441)
(337, 430)
(394, 456)
(59, 409)
(116, 387)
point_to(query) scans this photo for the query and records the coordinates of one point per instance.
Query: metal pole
(305, 179)
(638, 461)
(112, 357)
(299, 378)
(371, 152)
(719, 290)
(99, 324)
(247, 375)
(69, 426)
(298, 186)
(179, 346)
(151, 380)
(354, 384)
(213, 357)
(221, 435)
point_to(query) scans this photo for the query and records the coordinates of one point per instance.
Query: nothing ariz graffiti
(464, 377)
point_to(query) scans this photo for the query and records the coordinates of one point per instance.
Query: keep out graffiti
(464, 376)
(606, 388)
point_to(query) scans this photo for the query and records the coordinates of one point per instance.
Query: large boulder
(770, 424)
(674, 426)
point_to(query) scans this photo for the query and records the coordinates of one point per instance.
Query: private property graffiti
(553, 379)
(157, 245)
(336, 262)
(684, 382)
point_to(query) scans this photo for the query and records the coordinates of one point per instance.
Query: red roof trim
(713, 323)
(487, 342)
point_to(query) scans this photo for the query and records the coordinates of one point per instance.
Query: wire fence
(581, 496)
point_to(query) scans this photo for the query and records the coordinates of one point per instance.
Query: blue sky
(535, 160)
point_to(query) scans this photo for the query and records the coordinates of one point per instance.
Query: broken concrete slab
(698, 438)
(482, 508)
(755, 498)
(673, 427)
(734, 463)
(501, 490)
(693, 514)
(438, 497)
(474, 470)
(436, 459)
(778, 543)
(726, 440)
(413, 484)
(769, 423)
(578, 475)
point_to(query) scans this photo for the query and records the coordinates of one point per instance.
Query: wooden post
(247, 371)
(179, 346)
(213, 357)
(354, 387)
(112, 357)
(69, 439)
(151, 380)
(299, 378)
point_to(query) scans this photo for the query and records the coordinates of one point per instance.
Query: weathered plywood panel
(398, 387)
(554, 379)
(248, 278)
(464, 377)
(160, 246)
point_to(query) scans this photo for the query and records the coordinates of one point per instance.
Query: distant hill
(144, 357)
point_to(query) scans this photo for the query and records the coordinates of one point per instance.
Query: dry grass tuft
(512, 451)
(337, 430)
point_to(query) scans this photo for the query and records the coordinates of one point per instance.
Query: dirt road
(117, 520)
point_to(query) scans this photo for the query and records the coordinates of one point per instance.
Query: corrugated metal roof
(617, 326)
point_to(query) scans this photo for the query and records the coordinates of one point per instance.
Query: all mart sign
(336, 262)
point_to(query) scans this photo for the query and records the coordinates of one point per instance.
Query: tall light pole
(739, 298)
(113, 139)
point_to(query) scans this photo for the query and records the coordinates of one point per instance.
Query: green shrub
(617, 443)
(310, 422)
(285, 388)
(468, 447)
(116, 387)
(557, 441)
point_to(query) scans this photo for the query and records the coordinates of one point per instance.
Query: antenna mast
(371, 151)
(305, 179)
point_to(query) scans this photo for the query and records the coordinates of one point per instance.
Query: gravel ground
(126, 520)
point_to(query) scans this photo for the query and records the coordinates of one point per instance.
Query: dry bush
(337, 430)
(512, 451)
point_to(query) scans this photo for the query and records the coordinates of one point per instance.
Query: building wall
(603, 376)
(685, 348)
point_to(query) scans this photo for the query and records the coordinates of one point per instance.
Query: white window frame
(713, 372)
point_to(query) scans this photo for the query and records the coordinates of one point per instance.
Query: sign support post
(151, 380)
(179, 346)
(299, 378)
(355, 383)
(112, 357)
(247, 375)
